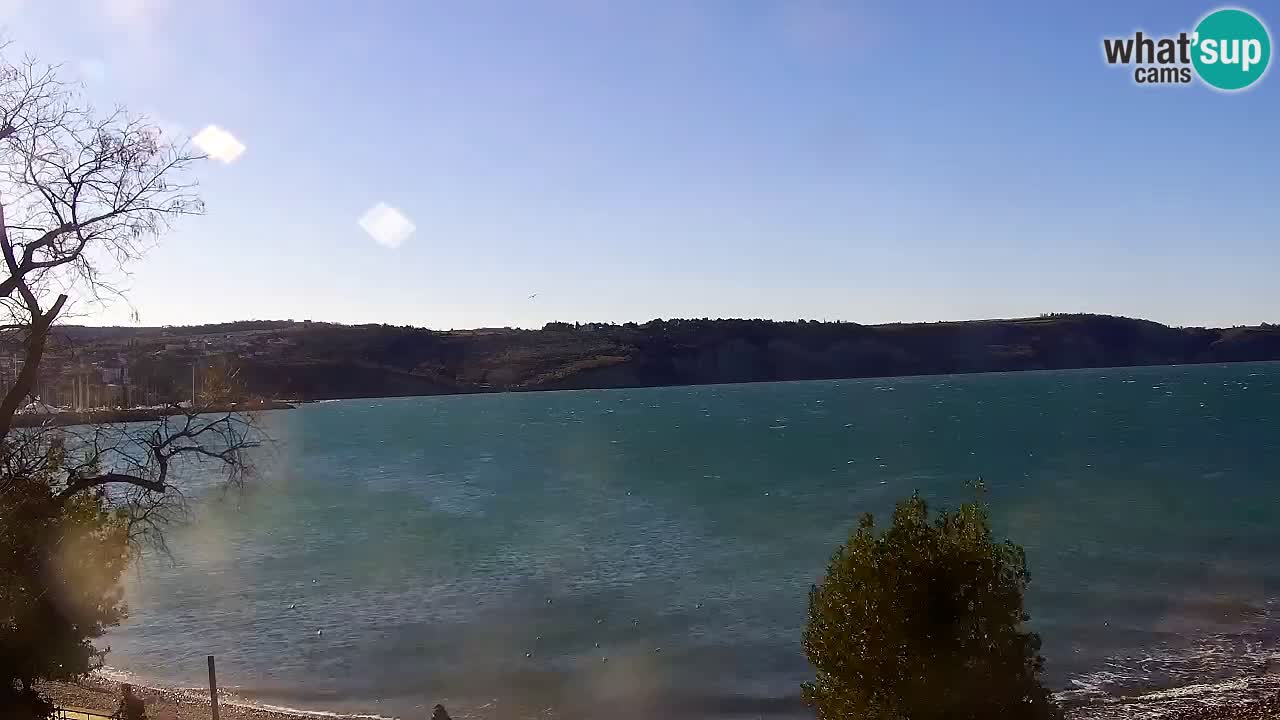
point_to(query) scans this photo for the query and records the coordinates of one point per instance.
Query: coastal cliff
(311, 360)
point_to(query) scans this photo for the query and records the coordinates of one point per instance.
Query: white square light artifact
(386, 225)
(218, 144)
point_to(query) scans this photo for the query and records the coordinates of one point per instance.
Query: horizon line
(310, 321)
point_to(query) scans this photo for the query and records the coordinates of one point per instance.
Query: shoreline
(129, 415)
(101, 694)
(525, 389)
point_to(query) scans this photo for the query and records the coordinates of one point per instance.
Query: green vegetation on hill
(323, 360)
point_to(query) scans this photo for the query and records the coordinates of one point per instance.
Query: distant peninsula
(288, 360)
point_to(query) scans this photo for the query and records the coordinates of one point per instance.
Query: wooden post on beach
(213, 689)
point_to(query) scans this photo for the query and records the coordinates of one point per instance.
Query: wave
(1223, 670)
(1174, 701)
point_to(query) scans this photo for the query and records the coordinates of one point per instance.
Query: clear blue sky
(864, 161)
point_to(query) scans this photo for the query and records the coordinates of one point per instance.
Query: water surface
(475, 550)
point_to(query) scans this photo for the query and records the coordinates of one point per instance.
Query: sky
(597, 160)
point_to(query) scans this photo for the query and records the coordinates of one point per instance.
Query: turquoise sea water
(475, 550)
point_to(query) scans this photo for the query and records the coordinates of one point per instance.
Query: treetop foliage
(925, 620)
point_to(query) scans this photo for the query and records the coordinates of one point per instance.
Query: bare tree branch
(82, 195)
(82, 484)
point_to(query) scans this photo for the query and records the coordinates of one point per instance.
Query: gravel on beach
(1268, 709)
(102, 696)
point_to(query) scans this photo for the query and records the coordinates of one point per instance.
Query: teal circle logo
(1231, 49)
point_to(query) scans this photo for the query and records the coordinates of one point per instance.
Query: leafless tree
(82, 195)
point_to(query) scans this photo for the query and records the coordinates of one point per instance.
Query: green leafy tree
(924, 621)
(60, 567)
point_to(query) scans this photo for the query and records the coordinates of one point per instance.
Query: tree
(925, 621)
(60, 566)
(82, 195)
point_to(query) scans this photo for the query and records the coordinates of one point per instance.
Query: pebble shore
(101, 696)
(1268, 709)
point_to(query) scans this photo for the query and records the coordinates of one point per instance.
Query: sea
(648, 553)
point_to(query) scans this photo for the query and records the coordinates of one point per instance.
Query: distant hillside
(285, 359)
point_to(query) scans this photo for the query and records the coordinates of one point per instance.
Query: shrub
(924, 621)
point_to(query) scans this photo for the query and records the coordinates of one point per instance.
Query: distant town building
(10, 366)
